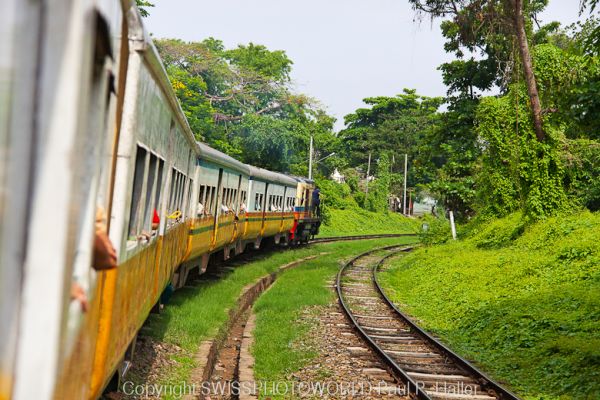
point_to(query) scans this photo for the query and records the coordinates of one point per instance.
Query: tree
(393, 125)
(240, 102)
(480, 22)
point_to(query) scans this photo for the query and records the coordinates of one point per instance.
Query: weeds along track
(427, 367)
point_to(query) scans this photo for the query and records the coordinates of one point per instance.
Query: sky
(343, 50)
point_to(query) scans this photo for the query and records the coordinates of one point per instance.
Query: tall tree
(486, 21)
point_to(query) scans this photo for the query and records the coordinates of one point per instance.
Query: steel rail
(361, 237)
(411, 386)
(484, 380)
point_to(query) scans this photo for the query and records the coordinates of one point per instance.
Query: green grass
(523, 301)
(278, 334)
(357, 221)
(196, 314)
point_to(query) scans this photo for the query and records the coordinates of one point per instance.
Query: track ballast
(427, 367)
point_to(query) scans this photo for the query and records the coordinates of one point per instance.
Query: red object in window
(155, 218)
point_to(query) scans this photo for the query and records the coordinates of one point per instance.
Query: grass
(357, 221)
(278, 334)
(196, 313)
(523, 301)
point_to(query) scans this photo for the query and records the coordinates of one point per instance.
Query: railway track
(427, 367)
(360, 237)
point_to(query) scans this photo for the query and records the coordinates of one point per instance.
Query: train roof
(142, 42)
(303, 179)
(217, 157)
(270, 176)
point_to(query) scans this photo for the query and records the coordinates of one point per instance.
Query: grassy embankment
(277, 333)
(356, 221)
(523, 301)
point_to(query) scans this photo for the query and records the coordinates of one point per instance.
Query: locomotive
(93, 138)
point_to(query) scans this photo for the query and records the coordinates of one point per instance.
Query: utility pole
(405, 173)
(368, 172)
(310, 156)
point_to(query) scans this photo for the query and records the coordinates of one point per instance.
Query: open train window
(177, 191)
(189, 205)
(181, 191)
(159, 182)
(211, 200)
(243, 199)
(257, 201)
(148, 203)
(201, 194)
(171, 204)
(138, 187)
(208, 200)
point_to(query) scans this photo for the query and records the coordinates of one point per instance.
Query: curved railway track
(427, 367)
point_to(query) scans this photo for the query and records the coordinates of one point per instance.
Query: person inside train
(78, 294)
(243, 208)
(155, 220)
(200, 210)
(105, 255)
(224, 209)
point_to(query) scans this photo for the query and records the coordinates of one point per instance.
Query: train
(95, 149)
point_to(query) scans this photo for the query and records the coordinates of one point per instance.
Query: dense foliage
(484, 155)
(475, 154)
(240, 101)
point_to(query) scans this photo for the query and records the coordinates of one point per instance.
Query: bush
(438, 230)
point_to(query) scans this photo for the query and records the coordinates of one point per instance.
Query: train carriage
(58, 117)
(270, 192)
(110, 147)
(218, 200)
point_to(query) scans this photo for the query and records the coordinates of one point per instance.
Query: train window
(182, 186)
(148, 204)
(177, 190)
(212, 201)
(209, 194)
(138, 186)
(159, 181)
(206, 202)
(172, 191)
(188, 204)
(257, 202)
(201, 194)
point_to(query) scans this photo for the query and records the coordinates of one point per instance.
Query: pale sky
(343, 50)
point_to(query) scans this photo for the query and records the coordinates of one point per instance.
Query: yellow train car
(116, 160)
